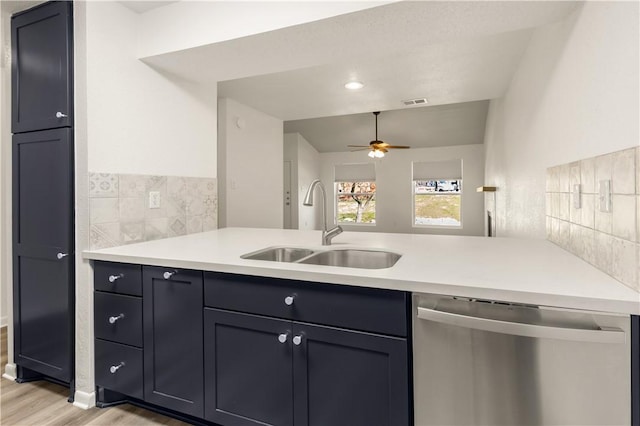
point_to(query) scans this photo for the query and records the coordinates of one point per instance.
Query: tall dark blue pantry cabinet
(43, 197)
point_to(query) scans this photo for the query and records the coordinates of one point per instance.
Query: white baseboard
(10, 372)
(84, 400)
(3, 322)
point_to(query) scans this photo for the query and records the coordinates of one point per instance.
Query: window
(355, 189)
(437, 193)
(356, 202)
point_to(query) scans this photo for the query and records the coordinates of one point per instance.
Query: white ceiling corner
(144, 6)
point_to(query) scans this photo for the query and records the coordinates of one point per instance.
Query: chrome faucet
(327, 235)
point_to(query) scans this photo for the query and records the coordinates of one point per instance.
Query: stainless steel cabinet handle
(115, 368)
(283, 337)
(114, 278)
(62, 255)
(297, 340)
(289, 300)
(523, 329)
(168, 274)
(61, 115)
(112, 320)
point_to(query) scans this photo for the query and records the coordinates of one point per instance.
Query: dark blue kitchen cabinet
(43, 195)
(344, 377)
(42, 70)
(266, 371)
(247, 351)
(43, 290)
(248, 369)
(635, 370)
(173, 344)
(263, 370)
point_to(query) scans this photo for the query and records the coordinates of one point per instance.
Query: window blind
(361, 172)
(437, 170)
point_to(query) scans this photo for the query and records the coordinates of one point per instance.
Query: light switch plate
(154, 199)
(576, 196)
(604, 196)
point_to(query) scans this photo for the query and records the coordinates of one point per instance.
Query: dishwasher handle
(609, 335)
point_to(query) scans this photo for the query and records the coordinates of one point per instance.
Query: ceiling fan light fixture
(354, 85)
(376, 153)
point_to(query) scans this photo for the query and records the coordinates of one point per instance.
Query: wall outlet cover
(604, 196)
(154, 199)
(577, 202)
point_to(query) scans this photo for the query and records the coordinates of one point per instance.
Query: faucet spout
(327, 235)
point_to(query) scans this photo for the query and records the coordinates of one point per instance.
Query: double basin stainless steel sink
(348, 258)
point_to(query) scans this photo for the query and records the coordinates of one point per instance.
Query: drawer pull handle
(112, 320)
(115, 368)
(283, 337)
(289, 300)
(297, 340)
(168, 274)
(114, 278)
(60, 115)
(62, 255)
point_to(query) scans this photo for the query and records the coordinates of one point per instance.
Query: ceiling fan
(377, 147)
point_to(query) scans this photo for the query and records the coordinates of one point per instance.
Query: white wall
(250, 153)
(575, 95)
(162, 29)
(394, 190)
(309, 218)
(305, 167)
(290, 152)
(5, 170)
(139, 120)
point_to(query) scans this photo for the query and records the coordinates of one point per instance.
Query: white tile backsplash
(624, 217)
(608, 240)
(623, 177)
(587, 211)
(588, 175)
(119, 207)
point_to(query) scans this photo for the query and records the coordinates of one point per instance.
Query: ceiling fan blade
(359, 149)
(397, 146)
(358, 146)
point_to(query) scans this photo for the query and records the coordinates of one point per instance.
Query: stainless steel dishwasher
(480, 362)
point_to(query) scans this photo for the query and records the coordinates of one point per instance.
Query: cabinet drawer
(118, 278)
(374, 310)
(119, 368)
(118, 318)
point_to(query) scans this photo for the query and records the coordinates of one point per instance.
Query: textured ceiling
(444, 125)
(444, 73)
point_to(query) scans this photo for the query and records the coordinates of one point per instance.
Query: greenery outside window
(437, 202)
(437, 193)
(355, 202)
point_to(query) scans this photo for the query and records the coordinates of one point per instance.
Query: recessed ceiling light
(354, 85)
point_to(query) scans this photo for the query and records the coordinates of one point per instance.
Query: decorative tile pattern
(608, 240)
(132, 186)
(103, 235)
(103, 185)
(120, 214)
(103, 210)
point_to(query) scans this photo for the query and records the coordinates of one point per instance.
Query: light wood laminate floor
(44, 403)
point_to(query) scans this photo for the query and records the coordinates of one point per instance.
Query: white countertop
(506, 269)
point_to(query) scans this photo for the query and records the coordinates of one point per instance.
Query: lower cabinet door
(248, 369)
(173, 347)
(349, 378)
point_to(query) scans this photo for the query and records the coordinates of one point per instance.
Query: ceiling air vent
(417, 101)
